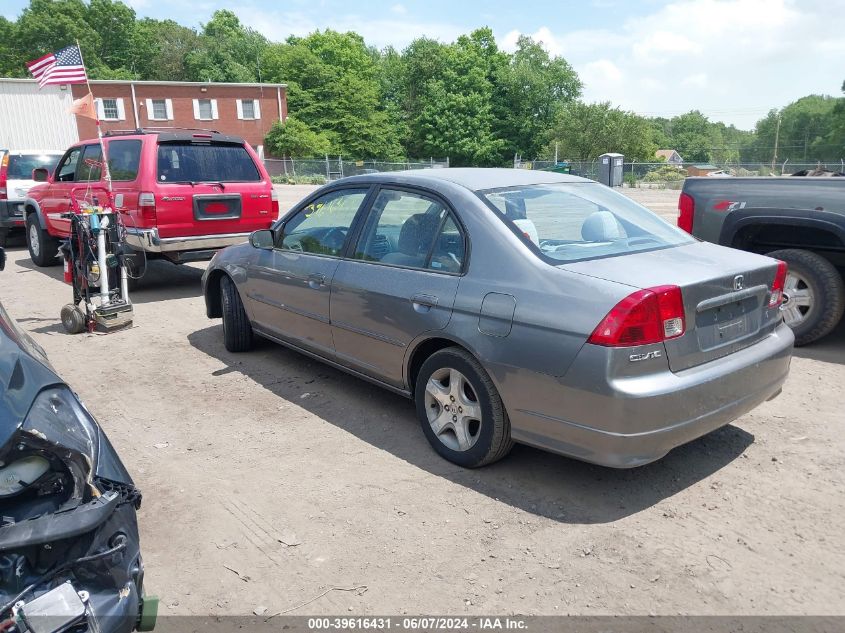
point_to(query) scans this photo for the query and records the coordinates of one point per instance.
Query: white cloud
(399, 9)
(732, 59)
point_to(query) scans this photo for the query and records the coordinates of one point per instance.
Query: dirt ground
(269, 478)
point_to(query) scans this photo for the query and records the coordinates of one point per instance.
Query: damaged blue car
(70, 555)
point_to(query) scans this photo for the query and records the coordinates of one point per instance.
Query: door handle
(423, 303)
(316, 280)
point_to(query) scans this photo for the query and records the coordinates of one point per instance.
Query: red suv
(183, 194)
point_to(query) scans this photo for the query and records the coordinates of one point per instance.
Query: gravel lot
(269, 478)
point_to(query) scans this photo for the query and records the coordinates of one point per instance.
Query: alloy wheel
(453, 409)
(34, 244)
(798, 299)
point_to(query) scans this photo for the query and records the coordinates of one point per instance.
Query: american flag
(62, 67)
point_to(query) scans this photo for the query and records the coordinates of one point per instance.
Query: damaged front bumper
(79, 568)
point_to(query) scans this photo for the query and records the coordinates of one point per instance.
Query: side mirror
(263, 239)
(2, 258)
(40, 174)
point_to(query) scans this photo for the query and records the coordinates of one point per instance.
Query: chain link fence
(321, 171)
(671, 176)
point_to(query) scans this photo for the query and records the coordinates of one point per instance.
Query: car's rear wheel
(4, 236)
(237, 331)
(43, 248)
(813, 295)
(460, 410)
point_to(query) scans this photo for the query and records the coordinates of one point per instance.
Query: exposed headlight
(59, 423)
(18, 475)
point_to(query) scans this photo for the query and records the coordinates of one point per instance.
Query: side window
(401, 229)
(323, 226)
(92, 163)
(66, 172)
(449, 248)
(124, 157)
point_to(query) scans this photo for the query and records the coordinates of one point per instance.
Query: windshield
(206, 162)
(21, 165)
(569, 222)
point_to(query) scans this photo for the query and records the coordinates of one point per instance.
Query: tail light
(778, 284)
(647, 316)
(147, 208)
(686, 212)
(4, 169)
(274, 203)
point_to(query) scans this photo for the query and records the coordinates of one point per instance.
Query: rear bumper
(11, 214)
(628, 422)
(148, 240)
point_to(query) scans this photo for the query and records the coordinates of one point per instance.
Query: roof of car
(39, 152)
(473, 178)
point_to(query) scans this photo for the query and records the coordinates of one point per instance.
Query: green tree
(532, 88)
(334, 88)
(46, 26)
(449, 102)
(114, 22)
(691, 137)
(11, 60)
(295, 139)
(160, 48)
(584, 131)
(801, 131)
(226, 51)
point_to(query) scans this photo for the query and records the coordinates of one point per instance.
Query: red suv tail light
(147, 208)
(646, 316)
(778, 284)
(686, 212)
(274, 203)
(4, 168)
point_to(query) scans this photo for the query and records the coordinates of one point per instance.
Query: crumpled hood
(24, 371)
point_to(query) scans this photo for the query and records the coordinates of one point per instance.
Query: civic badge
(738, 281)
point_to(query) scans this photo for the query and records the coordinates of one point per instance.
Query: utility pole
(777, 136)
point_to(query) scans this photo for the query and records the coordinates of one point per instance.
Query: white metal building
(35, 119)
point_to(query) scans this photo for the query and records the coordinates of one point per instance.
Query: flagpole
(106, 172)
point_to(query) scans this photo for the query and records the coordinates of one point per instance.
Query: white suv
(15, 180)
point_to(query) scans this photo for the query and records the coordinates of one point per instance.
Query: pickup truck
(798, 220)
(182, 194)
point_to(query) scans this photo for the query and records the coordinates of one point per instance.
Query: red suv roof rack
(156, 130)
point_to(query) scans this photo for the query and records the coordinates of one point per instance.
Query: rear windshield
(570, 222)
(205, 162)
(21, 165)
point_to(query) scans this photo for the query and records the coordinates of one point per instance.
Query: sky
(734, 60)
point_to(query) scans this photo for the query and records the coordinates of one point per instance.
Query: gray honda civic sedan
(514, 306)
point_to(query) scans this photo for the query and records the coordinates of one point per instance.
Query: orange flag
(84, 106)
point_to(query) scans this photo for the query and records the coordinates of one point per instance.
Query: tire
(822, 294)
(73, 319)
(4, 236)
(43, 248)
(465, 440)
(237, 331)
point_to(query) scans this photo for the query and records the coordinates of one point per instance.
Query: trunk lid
(725, 292)
(210, 188)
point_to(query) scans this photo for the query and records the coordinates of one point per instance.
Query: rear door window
(205, 162)
(124, 157)
(412, 230)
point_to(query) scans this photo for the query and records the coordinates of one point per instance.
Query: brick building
(245, 110)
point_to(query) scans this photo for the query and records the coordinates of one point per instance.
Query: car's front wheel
(460, 410)
(237, 331)
(43, 248)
